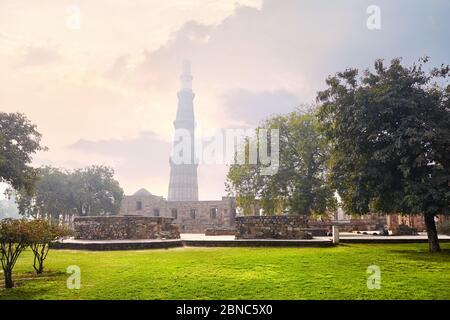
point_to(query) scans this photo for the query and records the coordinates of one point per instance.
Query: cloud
(38, 55)
(253, 107)
(7, 37)
(246, 64)
(294, 45)
(146, 146)
(258, 62)
(142, 161)
(118, 68)
(282, 52)
(161, 66)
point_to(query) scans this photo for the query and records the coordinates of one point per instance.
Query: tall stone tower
(183, 185)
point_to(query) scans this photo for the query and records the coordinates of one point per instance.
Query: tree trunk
(38, 265)
(40, 268)
(8, 279)
(433, 242)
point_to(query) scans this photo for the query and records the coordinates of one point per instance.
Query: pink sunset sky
(105, 92)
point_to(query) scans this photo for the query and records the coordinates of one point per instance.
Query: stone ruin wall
(203, 220)
(125, 228)
(352, 225)
(220, 231)
(416, 222)
(272, 227)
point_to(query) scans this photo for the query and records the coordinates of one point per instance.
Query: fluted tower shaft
(183, 185)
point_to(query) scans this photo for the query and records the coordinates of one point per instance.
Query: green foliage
(52, 195)
(243, 181)
(89, 191)
(41, 233)
(18, 234)
(390, 136)
(19, 140)
(299, 186)
(14, 238)
(96, 192)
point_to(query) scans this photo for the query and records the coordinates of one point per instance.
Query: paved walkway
(108, 245)
(202, 236)
(342, 236)
(117, 241)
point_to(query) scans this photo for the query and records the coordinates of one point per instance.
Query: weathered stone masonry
(125, 227)
(190, 216)
(272, 227)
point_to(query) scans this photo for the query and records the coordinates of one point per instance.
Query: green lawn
(408, 271)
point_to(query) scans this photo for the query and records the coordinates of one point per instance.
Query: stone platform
(357, 238)
(109, 245)
(201, 240)
(259, 243)
(290, 227)
(190, 240)
(124, 227)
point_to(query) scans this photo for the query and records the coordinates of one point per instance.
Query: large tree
(61, 193)
(19, 140)
(52, 198)
(390, 135)
(299, 186)
(95, 191)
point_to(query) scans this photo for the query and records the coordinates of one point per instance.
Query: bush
(14, 238)
(18, 234)
(41, 233)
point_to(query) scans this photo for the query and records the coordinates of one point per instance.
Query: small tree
(14, 238)
(42, 233)
(299, 186)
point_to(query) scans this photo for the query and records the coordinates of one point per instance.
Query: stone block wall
(203, 219)
(417, 222)
(272, 227)
(225, 211)
(351, 225)
(230, 231)
(125, 227)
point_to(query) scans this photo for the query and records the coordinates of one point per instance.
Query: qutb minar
(190, 214)
(183, 185)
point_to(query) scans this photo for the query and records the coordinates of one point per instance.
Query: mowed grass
(408, 271)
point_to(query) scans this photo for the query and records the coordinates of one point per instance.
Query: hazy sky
(105, 93)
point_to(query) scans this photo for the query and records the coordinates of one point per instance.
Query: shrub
(14, 238)
(41, 233)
